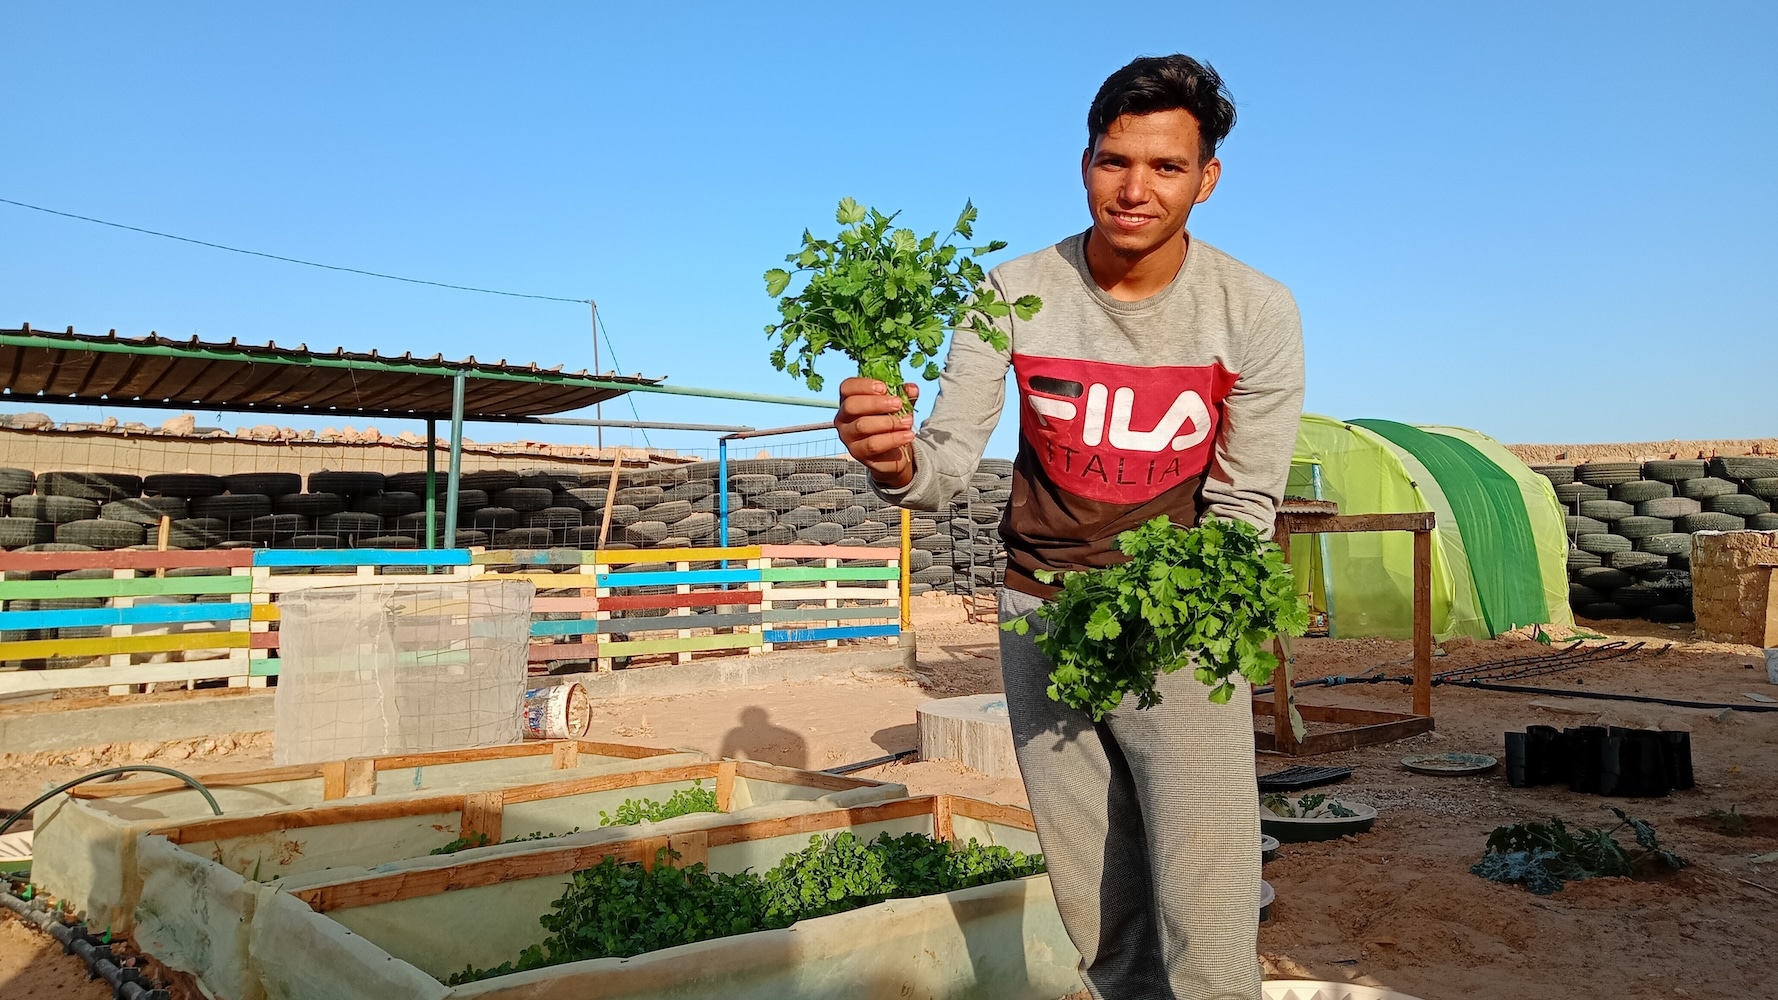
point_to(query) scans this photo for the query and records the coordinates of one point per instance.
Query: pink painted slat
(828, 552)
(63, 561)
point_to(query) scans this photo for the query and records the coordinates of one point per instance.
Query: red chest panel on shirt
(1119, 433)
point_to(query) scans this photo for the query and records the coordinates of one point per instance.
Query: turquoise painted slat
(148, 614)
(822, 634)
(361, 557)
(579, 626)
(673, 578)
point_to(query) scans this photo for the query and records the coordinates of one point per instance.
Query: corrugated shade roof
(165, 373)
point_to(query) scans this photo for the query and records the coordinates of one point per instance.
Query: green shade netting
(1547, 515)
(1365, 580)
(1491, 519)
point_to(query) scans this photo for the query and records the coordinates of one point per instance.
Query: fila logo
(1188, 408)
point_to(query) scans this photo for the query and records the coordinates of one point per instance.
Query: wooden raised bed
(393, 932)
(85, 840)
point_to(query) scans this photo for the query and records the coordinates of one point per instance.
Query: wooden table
(1358, 727)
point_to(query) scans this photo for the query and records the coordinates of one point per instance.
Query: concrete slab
(131, 721)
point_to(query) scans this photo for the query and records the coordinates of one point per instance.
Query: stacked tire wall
(817, 501)
(1630, 526)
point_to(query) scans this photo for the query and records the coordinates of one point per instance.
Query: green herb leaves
(620, 910)
(884, 296)
(696, 799)
(1213, 595)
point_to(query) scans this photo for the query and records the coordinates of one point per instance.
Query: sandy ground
(1395, 907)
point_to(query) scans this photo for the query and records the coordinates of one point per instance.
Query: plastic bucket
(559, 712)
(1772, 665)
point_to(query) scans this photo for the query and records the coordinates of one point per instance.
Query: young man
(1162, 376)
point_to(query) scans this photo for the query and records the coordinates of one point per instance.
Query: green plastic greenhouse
(1498, 556)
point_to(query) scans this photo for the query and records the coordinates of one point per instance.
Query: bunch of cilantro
(1211, 596)
(883, 296)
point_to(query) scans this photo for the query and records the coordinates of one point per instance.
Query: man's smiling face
(1142, 178)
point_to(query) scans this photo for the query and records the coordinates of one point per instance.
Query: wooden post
(617, 463)
(1283, 734)
(1423, 623)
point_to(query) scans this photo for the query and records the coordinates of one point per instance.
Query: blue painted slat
(361, 557)
(822, 634)
(673, 578)
(151, 614)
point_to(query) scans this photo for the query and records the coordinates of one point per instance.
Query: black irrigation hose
(1526, 689)
(64, 786)
(126, 981)
(873, 762)
(1609, 696)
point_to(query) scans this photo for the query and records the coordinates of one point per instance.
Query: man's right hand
(876, 432)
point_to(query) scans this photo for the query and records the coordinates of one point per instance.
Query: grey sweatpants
(1149, 821)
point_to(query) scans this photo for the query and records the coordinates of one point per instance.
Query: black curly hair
(1162, 83)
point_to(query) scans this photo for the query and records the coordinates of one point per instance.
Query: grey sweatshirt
(1185, 403)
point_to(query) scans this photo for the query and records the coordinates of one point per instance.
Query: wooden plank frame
(1359, 727)
(355, 777)
(547, 861)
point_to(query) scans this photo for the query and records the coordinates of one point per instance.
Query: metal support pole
(722, 494)
(456, 474)
(598, 408)
(907, 547)
(1323, 545)
(432, 482)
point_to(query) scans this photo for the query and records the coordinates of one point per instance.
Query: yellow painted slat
(267, 613)
(39, 649)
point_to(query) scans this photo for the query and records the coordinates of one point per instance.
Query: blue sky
(1546, 222)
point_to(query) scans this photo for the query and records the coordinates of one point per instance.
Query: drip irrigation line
(293, 260)
(126, 981)
(64, 786)
(873, 762)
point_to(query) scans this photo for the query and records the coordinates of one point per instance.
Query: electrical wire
(293, 260)
(599, 318)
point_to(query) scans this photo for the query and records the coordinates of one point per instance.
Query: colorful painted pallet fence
(120, 619)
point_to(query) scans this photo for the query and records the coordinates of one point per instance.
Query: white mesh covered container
(400, 668)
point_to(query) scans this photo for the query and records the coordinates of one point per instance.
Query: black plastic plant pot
(1586, 747)
(1676, 750)
(1546, 755)
(1517, 771)
(1632, 764)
